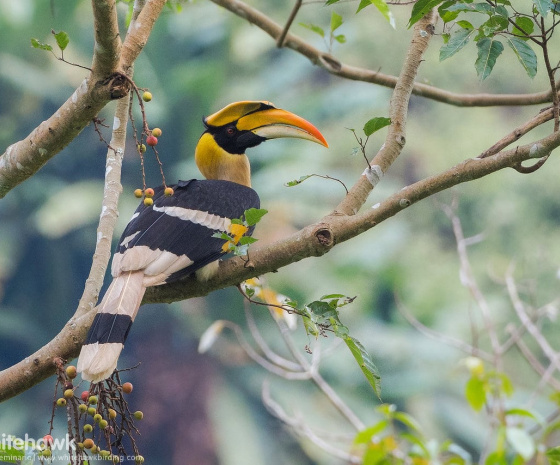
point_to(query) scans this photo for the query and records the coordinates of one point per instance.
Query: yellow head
(220, 153)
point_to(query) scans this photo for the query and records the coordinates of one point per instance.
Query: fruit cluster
(148, 194)
(97, 416)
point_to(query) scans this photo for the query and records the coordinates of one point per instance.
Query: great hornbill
(174, 237)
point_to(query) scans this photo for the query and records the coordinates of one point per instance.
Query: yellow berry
(68, 393)
(97, 418)
(168, 192)
(149, 192)
(142, 148)
(138, 415)
(147, 96)
(88, 428)
(61, 402)
(112, 414)
(91, 411)
(71, 372)
(148, 201)
(156, 132)
(82, 408)
(138, 193)
(92, 400)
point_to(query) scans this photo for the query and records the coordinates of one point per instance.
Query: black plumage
(158, 230)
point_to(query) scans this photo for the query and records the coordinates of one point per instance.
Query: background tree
(198, 59)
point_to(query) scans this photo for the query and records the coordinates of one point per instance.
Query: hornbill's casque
(174, 237)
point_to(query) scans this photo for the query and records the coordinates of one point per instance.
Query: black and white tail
(108, 332)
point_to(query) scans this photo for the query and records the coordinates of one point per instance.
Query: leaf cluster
(323, 315)
(499, 22)
(62, 41)
(397, 438)
(238, 244)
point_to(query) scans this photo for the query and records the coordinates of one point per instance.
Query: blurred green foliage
(207, 409)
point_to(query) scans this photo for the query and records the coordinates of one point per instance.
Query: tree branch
(398, 112)
(67, 343)
(318, 238)
(334, 66)
(23, 159)
(107, 47)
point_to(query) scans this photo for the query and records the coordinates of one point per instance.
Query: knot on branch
(403, 203)
(325, 239)
(330, 63)
(118, 85)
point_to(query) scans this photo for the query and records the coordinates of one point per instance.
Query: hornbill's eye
(230, 131)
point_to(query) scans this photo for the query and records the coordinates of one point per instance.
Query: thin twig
(537, 335)
(275, 409)
(446, 339)
(293, 14)
(268, 352)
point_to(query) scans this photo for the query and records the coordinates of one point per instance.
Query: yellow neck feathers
(215, 163)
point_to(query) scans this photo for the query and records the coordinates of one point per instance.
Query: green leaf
(383, 8)
(417, 442)
(331, 2)
(336, 21)
(298, 181)
(525, 413)
(446, 15)
(465, 24)
(375, 124)
(543, 6)
(408, 420)
(239, 250)
(553, 454)
(456, 42)
(363, 4)
(254, 215)
(221, 235)
(488, 52)
(314, 28)
(472, 7)
(365, 436)
(62, 39)
(341, 39)
(40, 45)
(496, 458)
(507, 385)
(310, 326)
(366, 363)
(333, 296)
(494, 24)
(523, 26)
(475, 393)
(11, 454)
(321, 311)
(502, 11)
(521, 442)
(421, 8)
(524, 54)
(246, 240)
